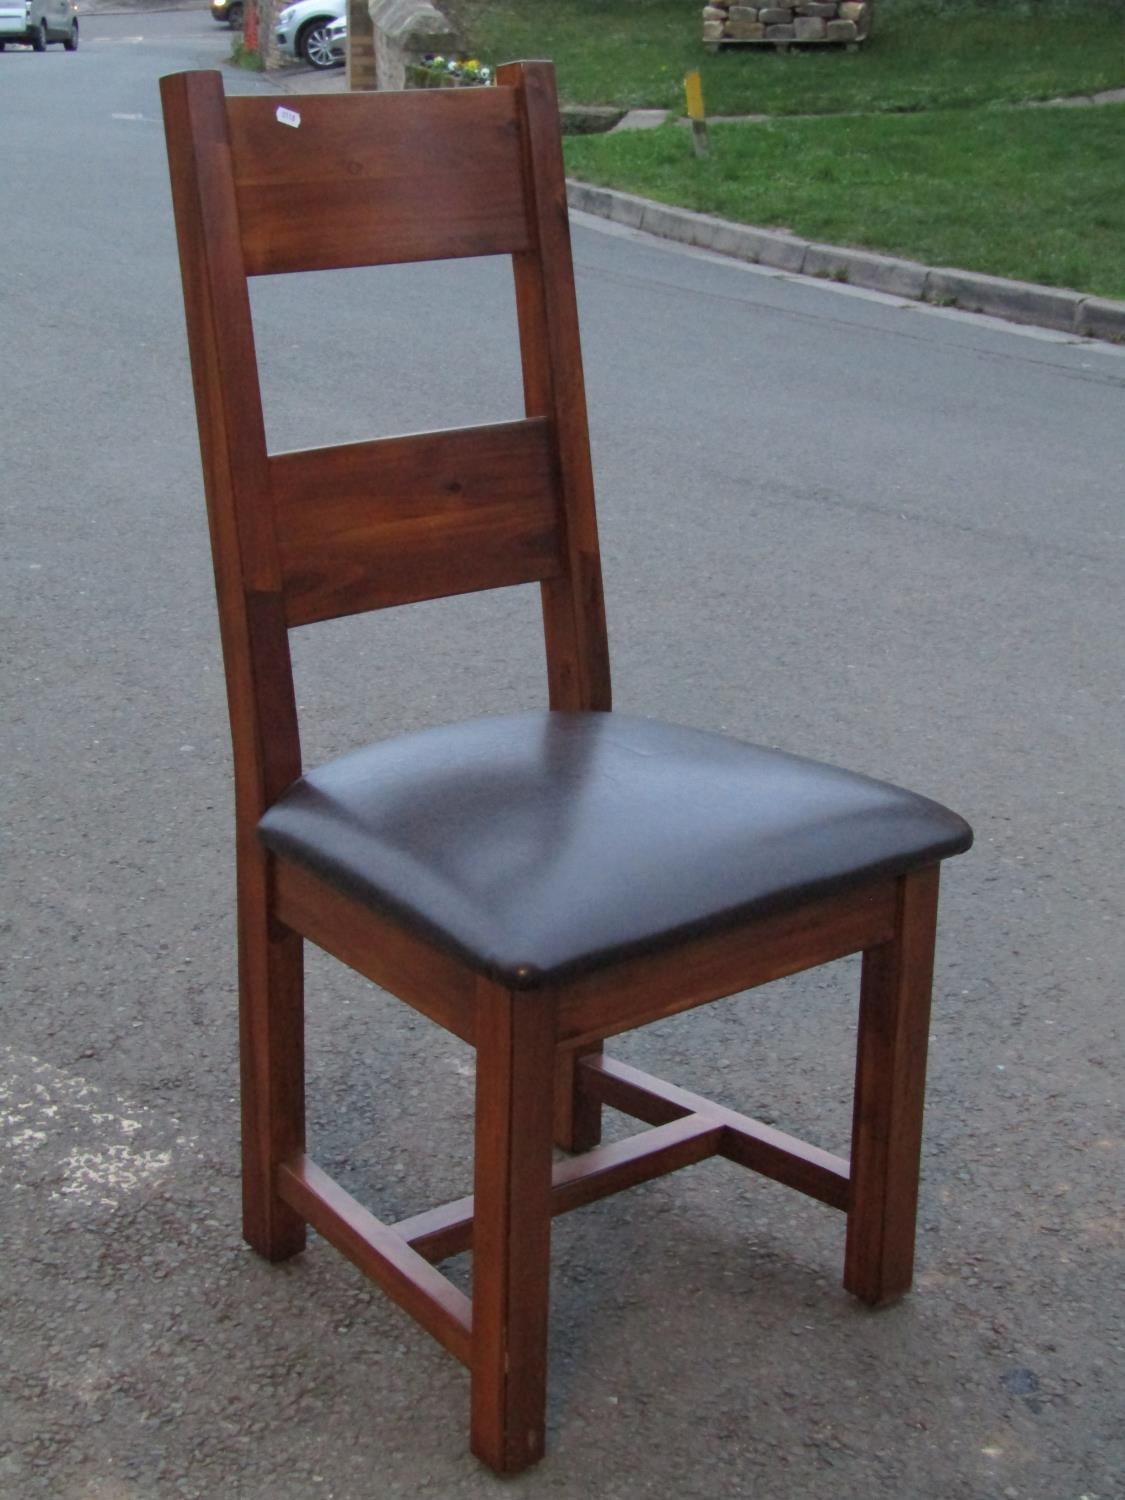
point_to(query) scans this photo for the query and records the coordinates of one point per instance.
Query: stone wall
(728, 23)
(405, 30)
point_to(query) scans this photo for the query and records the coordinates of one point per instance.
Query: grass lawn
(925, 158)
(1037, 194)
(923, 54)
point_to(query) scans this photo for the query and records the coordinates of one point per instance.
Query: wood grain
(368, 525)
(232, 444)
(578, 1114)
(255, 643)
(573, 604)
(441, 1232)
(272, 1061)
(515, 1037)
(894, 1024)
(373, 179)
(442, 1309)
(762, 1148)
(663, 983)
(391, 956)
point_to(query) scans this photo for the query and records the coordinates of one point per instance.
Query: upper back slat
(314, 196)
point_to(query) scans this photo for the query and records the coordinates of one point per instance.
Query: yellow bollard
(693, 91)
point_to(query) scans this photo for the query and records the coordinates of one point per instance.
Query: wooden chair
(535, 883)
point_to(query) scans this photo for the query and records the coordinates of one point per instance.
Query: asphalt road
(878, 533)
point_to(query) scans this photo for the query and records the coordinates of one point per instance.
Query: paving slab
(644, 119)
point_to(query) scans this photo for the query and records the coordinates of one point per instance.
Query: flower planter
(440, 73)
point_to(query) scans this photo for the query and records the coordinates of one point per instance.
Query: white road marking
(58, 1130)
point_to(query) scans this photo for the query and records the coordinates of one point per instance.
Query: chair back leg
(272, 1052)
(578, 1114)
(894, 1021)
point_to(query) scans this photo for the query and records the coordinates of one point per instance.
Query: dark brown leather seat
(479, 835)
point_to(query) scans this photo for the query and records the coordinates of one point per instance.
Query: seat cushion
(543, 845)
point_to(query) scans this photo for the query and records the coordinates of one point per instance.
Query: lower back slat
(369, 525)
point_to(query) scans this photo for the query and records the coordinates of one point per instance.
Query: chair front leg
(272, 1053)
(515, 1041)
(894, 1019)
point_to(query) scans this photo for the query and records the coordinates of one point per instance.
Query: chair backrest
(266, 185)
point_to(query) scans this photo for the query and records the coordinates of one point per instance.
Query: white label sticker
(288, 116)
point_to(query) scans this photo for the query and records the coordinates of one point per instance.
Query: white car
(302, 30)
(37, 22)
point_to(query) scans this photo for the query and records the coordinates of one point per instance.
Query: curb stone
(1017, 301)
(1101, 318)
(882, 273)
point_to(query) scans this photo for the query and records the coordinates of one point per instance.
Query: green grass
(1034, 194)
(922, 54)
(924, 159)
(244, 57)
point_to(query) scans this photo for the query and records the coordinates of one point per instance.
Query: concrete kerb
(1017, 301)
(1101, 318)
(882, 273)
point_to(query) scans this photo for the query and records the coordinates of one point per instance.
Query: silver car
(338, 39)
(34, 23)
(302, 30)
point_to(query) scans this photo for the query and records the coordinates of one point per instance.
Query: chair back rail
(315, 196)
(367, 525)
(308, 536)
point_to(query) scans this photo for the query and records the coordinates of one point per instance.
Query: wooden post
(361, 48)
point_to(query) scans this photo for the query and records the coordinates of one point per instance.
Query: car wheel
(70, 44)
(313, 44)
(39, 38)
(234, 17)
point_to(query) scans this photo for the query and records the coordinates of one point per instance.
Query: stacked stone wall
(729, 23)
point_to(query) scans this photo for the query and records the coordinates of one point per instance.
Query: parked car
(338, 39)
(302, 31)
(37, 22)
(228, 13)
